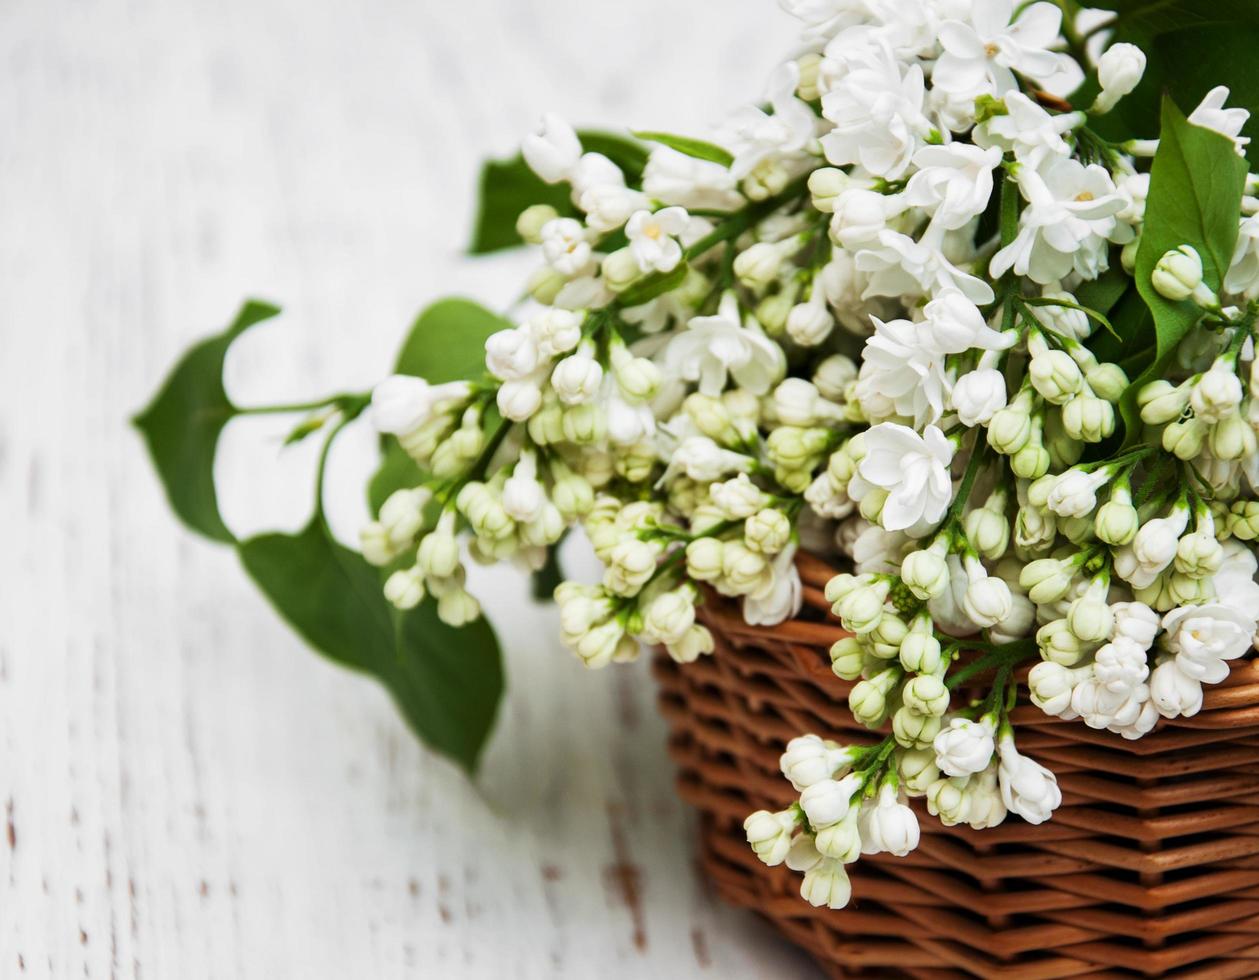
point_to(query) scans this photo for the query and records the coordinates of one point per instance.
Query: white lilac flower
(754, 136)
(1174, 693)
(566, 247)
(899, 266)
(877, 112)
(782, 599)
(1027, 788)
(716, 349)
(1243, 275)
(913, 469)
(953, 183)
(1068, 224)
(888, 826)
(678, 179)
(965, 747)
(978, 395)
(1204, 638)
(653, 238)
(1028, 131)
(983, 51)
(1212, 115)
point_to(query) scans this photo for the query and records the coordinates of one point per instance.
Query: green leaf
(699, 149)
(183, 423)
(447, 342)
(446, 682)
(508, 187)
(1102, 294)
(1196, 187)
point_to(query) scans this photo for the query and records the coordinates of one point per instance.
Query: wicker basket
(1149, 868)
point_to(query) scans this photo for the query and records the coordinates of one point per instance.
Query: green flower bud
(988, 531)
(531, 221)
(1088, 418)
(1108, 381)
(920, 653)
(1233, 439)
(1243, 521)
(872, 503)
(826, 184)
(704, 559)
(1064, 451)
(1186, 590)
(847, 658)
(868, 700)
(918, 770)
(840, 585)
(1117, 520)
(1059, 644)
(1178, 274)
(926, 573)
(885, 639)
(1047, 580)
(1199, 555)
(1185, 439)
(1056, 376)
(1091, 619)
(861, 610)
(1162, 402)
(913, 730)
(926, 695)
(1011, 427)
(767, 531)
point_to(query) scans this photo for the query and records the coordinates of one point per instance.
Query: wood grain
(186, 791)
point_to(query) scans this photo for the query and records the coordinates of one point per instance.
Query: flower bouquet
(959, 322)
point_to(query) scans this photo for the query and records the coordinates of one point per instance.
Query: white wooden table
(185, 790)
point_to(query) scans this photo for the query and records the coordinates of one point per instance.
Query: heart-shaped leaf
(446, 682)
(183, 423)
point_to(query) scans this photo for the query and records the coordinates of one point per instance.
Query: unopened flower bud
(927, 695)
(1050, 685)
(848, 658)
(1108, 381)
(809, 324)
(767, 531)
(457, 608)
(1058, 643)
(1185, 439)
(1178, 273)
(914, 730)
(926, 573)
(918, 770)
(769, 835)
(620, 270)
(826, 184)
(405, 589)
(531, 221)
(1088, 418)
(1010, 428)
(1117, 520)
(1119, 71)
(1046, 580)
(1218, 393)
(758, 266)
(868, 700)
(920, 652)
(1056, 376)
(1233, 439)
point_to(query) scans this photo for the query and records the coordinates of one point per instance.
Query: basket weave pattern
(1149, 868)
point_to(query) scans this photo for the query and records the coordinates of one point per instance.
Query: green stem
(968, 481)
(747, 218)
(352, 402)
(322, 470)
